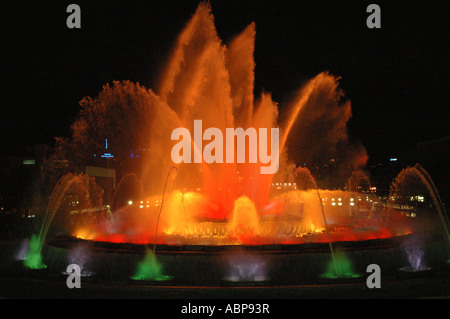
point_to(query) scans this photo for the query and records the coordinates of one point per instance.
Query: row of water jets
(150, 269)
(241, 266)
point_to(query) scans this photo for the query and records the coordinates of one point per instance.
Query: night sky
(396, 76)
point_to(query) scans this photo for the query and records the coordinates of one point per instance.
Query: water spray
(328, 234)
(161, 207)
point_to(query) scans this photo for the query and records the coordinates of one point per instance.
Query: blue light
(107, 155)
(106, 143)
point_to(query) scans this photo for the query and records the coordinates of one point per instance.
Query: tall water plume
(207, 80)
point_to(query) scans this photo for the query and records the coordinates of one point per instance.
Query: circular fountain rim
(65, 242)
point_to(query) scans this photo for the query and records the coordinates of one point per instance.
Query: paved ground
(437, 286)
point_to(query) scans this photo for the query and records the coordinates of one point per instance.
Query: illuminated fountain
(404, 188)
(217, 207)
(80, 255)
(340, 268)
(221, 203)
(408, 178)
(68, 184)
(415, 254)
(246, 268)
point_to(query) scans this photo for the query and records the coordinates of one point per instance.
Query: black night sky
(396, 76)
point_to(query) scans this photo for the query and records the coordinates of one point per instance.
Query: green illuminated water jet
(340, 267)
(34, 255)
(150, 269)
(33, 258)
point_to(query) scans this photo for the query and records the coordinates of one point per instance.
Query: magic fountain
(225, 213)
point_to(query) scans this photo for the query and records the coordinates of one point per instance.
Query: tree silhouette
(121, 114)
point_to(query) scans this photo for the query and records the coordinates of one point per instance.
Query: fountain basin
(208, 265)
(410, 272)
